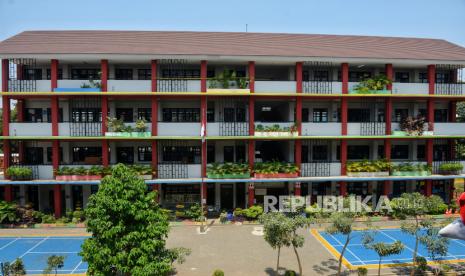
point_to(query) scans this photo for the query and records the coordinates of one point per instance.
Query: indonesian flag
(202, 131)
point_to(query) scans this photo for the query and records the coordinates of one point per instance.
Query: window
(240, 153)
(125, 155)
(319, 75)
(49, 115)
(441, 152)
(125, 114)
(87, 115)
(423, 77)
(34, 156)
(381, 151)
(403, 77)
(228, 154)
(399, 152)
(181, 115)
(421, 152)
(304, 154)
(358, 115)
(320, 153)
(144, 114)
(33, 115)
(80, 154)
(210, 114)
(381, 117)
(144, 154)
(443, 77)
(358, 152)
(306, 75)
(234, 114)
(144, 74)
(60, 74)
(181, 73)
(85, 74)
(320, 115)
(183, 154)
(305, 115)
(358, 76)
(123, 74)
(211, 154)
(440, 115)
(50, 153)
(400, 114)
(31, 74)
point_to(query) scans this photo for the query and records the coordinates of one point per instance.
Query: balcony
(228, 129)
(450, 128)
(275, 87)
(321, 129)
(366, 129)
(178, 85)
(80, 129)
(178, 170)
(410, 88)
(130, 85)
(320, 169)
(178, 129)
(30, 129)
(322, 87)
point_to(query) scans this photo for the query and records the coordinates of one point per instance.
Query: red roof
(229, 44)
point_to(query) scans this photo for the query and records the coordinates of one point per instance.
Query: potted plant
(368, 168)
(450, 168)
(374, 85)
(91, 86)
(144, 171)
(16, 173)
(228, 81)
(408, 169)
(228, 170)
(276, 131)
(79, 173)
(119, 129)
(275, 169)
(413, 126)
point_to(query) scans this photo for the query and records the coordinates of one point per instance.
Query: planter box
(276, 133)
(20, 178)
(228, 90)
(276, 175)
(146, 176)
(411, 173)
(228, 176)
(428, 133)
(128, 134)
(77, 177)
(449, 172)
(399, 133)
(76, 90)
(370, 92)
(367, 174)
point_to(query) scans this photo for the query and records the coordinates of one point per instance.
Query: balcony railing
(275, 86)
(178, 170)
(30, 129)
(322, 87)
(228, 129)
(366, 128)
(320, 169)
(321, 129)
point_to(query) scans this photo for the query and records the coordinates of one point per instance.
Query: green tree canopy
(128, 228)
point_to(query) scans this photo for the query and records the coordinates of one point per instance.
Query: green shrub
(19, 173)
(218, 272)
(46, 218)
(290, 273)
(8, 212)
(422, 265)
(238, 212)
(253, 212)
(275, 167)
(451, 167)
(228, 168)
(223, 217)
(194, 212)
(369, 166)
(362, 271)
(436, 205)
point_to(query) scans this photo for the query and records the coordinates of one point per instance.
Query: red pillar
(297, 189)
(345, 77)
(429, 151)
(54, 74)
(342, 188)
(57, 200)
(430, 114)
(251, 147)
(6, 122)
(252, 76)
(105, 159)
(431, 78)
(387, 149)
(387, 187)
(428, 187)
(453, 111)
(6, 115)
(388, 115)
(155, 158)
(298, 77)
(8, 193)
(343, 157)
(6, 155)
(20, 109)
(203, 117)
(153, 67)
(104, 76)
(55, 155)
(389, 75)
(344, 117)
(203, 76)
(55, 113)
(251, 193)
(5, 74)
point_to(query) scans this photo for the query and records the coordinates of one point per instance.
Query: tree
(381, 248)
(16, 268)
(129, 229)
(54, 262)
(436, 245)
(341, 223)
(461, 111)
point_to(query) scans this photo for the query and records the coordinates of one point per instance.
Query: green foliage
(223, 217)
(381, 248)
(140, 125)
(461, 111)
(227, 79)
(378, 82)
(19, 173)
(118, 125)
(228, 169)
(194, 212)
(421, 265)
(362, 271)
(54, 263)
(381, 165)
(450, 168)
(8, 212)
(99, 170)
(178, 254)
(409, 167)
(413, 125)
(274, 167)
(218, 272)
(341, 223)
(128, 228)
(290, 273)
(16, 268)
(435, 205)
(275, 128)
(436, 245)
(253, 212)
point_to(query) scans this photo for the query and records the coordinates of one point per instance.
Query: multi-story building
(205, 94)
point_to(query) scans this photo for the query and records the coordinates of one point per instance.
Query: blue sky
(416, 18)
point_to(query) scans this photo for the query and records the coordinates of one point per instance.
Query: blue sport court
(34, 252)
(357, 255)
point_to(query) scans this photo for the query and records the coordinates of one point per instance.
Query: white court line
(8, 243)
(418, 253)
(76, 267)
(347, 248)
(53, 252)
(32, 248)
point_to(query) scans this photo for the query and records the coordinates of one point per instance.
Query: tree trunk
(277, 264)
(342, 254)
(379, 267)
(415, 250)
(298, 260)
